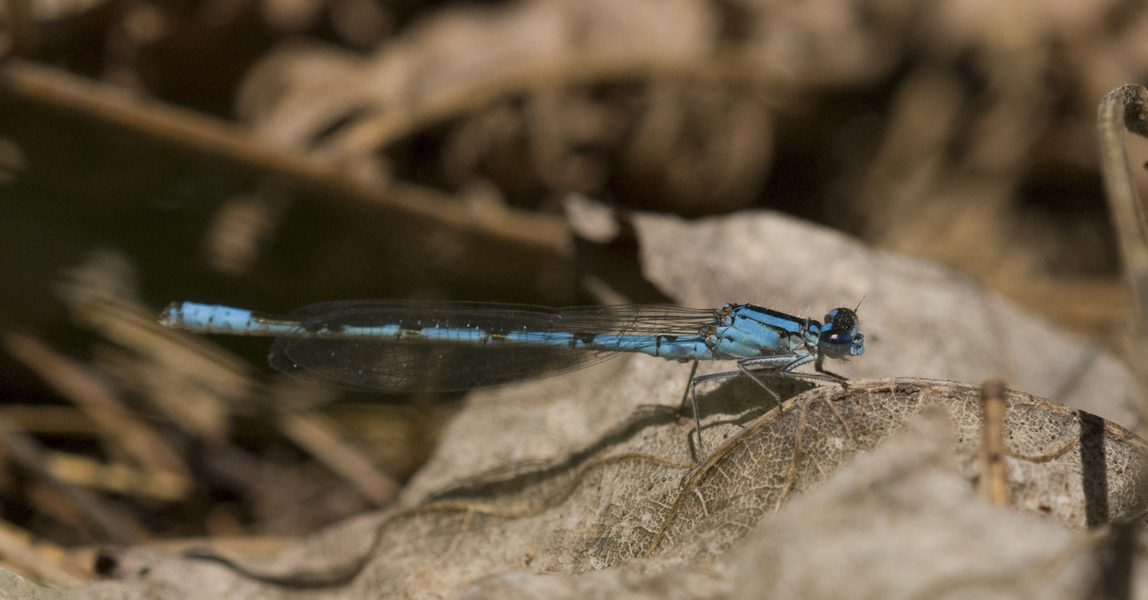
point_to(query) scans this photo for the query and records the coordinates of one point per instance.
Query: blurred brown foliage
(281, 152)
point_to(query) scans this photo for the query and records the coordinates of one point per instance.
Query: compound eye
(836, 343)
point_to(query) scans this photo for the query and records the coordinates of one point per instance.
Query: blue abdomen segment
(208, 318)
(669, 347)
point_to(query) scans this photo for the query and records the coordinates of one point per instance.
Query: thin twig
(188, 130)
(994, 469)
(1126, 108)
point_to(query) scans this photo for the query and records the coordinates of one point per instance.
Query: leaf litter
(625, 507)
(940, 326)
(582, 474)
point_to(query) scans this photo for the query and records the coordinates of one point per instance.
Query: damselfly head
(839, 336)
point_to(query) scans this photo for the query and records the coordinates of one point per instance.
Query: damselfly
(402, 347)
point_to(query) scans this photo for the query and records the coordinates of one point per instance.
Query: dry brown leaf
(897, 523)
(631, 498)
(901, 523)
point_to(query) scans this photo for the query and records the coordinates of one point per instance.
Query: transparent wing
(382, 363)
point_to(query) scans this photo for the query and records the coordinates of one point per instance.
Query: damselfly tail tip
(172, 316)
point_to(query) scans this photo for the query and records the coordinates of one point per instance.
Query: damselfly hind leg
(692, 387)
(694, 404)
